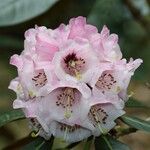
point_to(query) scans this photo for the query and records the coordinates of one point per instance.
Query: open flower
(72, 64)
(101, 116)
(35, 80)
(113, 78)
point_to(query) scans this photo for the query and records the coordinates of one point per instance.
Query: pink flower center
(97, 115)
(105, 82)
(40, 79)
(67, 98)
(73, 65)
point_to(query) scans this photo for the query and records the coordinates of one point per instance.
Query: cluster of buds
(72, 81)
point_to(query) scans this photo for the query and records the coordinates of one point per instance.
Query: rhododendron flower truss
(72, 81)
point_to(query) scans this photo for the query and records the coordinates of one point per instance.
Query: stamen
(106, 82)
(40, 79)
(68, 129)
(66, 99)
(98, 116)
(74, 65)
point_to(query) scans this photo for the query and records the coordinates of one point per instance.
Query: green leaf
(70, 146)
(109, 143)
(136, 123)
(10, 116)
(36, 143)
(103, 13)
(17, 11)
(134, 103)
(39, 144)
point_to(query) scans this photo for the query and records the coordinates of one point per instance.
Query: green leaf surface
(136, 123)
(35, 144)
(70, 146)
(134, 103)
(109, 143)
(17, 11)
(39, 144)
(102, 13)
(10, 116)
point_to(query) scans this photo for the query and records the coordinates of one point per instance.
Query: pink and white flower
(72, 81)
(101, 116)
(71, 63)
(35, 79)
(113, 78)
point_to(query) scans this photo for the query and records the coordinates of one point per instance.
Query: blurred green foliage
(130, 19)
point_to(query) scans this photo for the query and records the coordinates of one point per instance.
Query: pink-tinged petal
(112, 39)
(105, 32)
(107, 46)
(16, 86)
(134, 64)
(61, 35)
(77, 27)
(16, 60)
(28, 107)
(69, 133)
(111, 51)
(91, 29)
(18, 104)
(40, 43)
(80, 29)
(45, 47)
